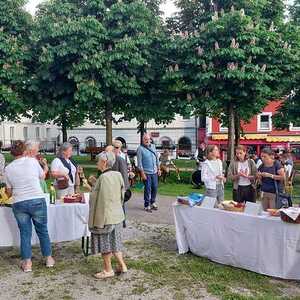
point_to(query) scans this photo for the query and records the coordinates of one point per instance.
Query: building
(47, 134)
(257, 134)
(182, 133)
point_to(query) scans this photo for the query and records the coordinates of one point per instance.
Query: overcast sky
(168, 8)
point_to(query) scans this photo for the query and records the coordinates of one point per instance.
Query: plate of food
(75, 198)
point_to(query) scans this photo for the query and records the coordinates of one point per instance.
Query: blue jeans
(28, 212)
(150, 191)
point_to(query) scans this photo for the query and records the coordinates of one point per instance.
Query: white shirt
(243, 167)
(23, 176)
(57, 166)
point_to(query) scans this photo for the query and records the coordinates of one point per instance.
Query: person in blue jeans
(22, 178)
(148, 165)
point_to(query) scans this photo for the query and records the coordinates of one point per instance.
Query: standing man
(148, 164)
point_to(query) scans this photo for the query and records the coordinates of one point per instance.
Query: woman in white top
(22, 178)
(64, 168)
(212, 174)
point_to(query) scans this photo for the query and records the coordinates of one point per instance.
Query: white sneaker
(154, 206)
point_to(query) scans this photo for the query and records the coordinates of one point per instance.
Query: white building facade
(182, 133)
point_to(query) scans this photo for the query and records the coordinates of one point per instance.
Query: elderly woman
(64, 170)
(106, 216)
(29, 204)
(32, 150)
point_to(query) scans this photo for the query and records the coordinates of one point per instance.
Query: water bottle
(52, 194)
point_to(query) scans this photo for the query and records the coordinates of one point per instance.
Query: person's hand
(159, 173)
(221, 177)
(266, 175)
(241, 174)
(144, 176)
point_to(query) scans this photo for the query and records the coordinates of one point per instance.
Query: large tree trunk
(142, 131)
(237, 129)
(64, 131)
(108, 123)
(231, 133)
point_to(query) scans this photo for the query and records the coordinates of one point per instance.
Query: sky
(167, 8)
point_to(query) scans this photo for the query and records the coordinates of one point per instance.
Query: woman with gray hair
(64, 170)
(106, 216)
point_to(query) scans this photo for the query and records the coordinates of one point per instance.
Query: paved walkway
(135, 210)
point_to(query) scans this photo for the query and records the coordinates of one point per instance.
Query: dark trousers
(150, 191)
(244, 194)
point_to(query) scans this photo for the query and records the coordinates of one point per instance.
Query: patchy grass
(166, 268)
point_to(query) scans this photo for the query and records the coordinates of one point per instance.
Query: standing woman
(29, 204)
(64, 170)
(272, 176)
(107, 215)
(213, 174)
(242, 171)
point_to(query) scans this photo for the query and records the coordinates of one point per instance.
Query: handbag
(282, 200)
(62, 183)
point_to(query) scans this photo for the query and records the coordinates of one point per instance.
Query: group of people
(267, 174)
(24, 178)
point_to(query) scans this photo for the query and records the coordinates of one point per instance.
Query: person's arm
(140, 163)
(56, 172)
(8, 187)
(206, 175)
(230, 174)
(2, 164)
(124, 173)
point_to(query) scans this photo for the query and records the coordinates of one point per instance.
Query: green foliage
(14, 28)
(294, 11)
(92, 57)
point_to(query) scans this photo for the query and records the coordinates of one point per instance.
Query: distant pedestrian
(213, 174)
(148, 165)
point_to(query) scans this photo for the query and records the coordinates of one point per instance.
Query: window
(25, 133)
(48, 133)
(37, 133)
(265, 122)
(223, 128)
(295, 126)
(12, 133)
(186, 117)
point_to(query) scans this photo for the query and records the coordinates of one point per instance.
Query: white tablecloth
(262, 244)
(66, 222)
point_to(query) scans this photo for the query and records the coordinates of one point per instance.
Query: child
(212, 174)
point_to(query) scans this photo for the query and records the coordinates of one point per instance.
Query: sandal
(26, 267)
(104, 275)
(50, 262)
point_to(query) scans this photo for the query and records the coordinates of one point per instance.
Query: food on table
(4, 199)
(232, 206)
(75, 198)
(274, 212)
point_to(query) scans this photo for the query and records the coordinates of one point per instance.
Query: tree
(229, 66)
(90, 56)
(294, 11)
(290, 108)
(14, 30)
